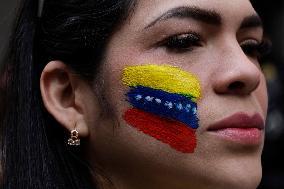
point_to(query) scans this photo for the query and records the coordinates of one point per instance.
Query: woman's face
(206, 47)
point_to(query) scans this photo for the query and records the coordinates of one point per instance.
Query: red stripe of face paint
(178, 135)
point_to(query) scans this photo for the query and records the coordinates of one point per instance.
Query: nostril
(237, 85)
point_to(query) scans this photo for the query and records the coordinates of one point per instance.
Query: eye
(256, 49)
(182, 42)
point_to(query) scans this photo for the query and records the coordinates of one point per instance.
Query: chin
(243, 176)
(244, 182)
(227, 173)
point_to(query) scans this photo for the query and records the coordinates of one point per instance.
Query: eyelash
(182, 42)
(256, 49)
(188, 41)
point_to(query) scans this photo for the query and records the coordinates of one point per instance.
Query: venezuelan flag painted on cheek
(163, 100)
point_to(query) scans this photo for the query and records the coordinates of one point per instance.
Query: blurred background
(272, 13)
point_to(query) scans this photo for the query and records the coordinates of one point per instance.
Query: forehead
(232, 12)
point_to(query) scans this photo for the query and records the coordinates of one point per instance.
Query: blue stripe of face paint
(164, 104)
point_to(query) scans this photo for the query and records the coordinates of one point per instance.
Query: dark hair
(34, 149)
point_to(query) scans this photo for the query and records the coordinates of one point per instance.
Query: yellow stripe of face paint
(162, 77)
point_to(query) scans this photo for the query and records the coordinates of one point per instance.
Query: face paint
(164, 104)
(171, 132)
(163, 77)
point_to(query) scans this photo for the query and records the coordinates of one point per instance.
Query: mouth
(239, 128)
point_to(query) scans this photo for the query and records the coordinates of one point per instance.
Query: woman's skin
(231, 82)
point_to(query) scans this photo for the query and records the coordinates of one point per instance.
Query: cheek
(262, 95)
(163, 100)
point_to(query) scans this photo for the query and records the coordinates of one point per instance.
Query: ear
(67, 97)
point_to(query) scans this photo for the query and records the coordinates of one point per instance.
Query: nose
(236, 73)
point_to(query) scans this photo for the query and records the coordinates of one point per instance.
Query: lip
(240, 128)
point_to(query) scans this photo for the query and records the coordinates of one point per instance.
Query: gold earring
(74, 139)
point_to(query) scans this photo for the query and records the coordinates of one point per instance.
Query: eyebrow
(207, 16)
(252, 21)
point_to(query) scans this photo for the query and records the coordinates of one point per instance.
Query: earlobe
(63, 94)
